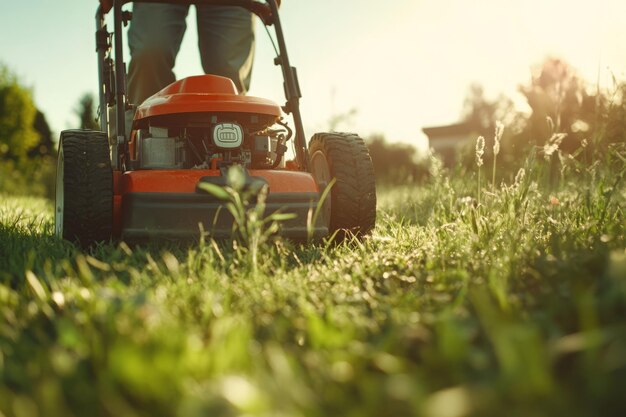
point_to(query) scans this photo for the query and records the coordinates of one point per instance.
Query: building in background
(447, 141)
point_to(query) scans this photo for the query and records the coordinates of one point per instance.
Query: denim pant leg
(226, 42)
(154, 37)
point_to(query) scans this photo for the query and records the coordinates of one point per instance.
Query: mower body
(190, 133)
(153, 179)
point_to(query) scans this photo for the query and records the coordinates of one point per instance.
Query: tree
(556, 92)
(17, 114)
(45, 147)
(559, 100)
(86, 112)
(614, 115)
(482, 114)
(394, 163)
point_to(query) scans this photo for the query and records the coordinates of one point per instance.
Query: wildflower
(548, 150)
(550, 123)
(436, 165)
(497, 138)
(496, 150)
(480, 150)
(554, 201)
(519, 177)
(466, 201)
(553, 144)
(58, 298)
(580, 126)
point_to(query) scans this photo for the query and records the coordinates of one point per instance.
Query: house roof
(434, 132)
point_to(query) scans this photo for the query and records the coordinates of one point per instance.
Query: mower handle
(260, 8)
(266, 10)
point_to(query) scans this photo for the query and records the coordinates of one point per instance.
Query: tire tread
(88, 187)
(353, 197)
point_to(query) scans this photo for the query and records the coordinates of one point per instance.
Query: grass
(514, 306)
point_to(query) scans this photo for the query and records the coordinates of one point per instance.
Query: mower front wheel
(344, 157)
(84, 188)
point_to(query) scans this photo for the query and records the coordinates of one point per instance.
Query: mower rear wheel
(345, 158)
(84, 188)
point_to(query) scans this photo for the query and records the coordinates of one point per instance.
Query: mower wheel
(84, 188)
(345, 158)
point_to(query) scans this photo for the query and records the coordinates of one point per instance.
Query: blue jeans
(225, 40)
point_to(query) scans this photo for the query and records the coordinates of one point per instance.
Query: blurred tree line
(559, 104)
(27, 147)
(24, 131)
(396, 163)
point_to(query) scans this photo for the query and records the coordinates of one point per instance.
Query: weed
(480, 151)
(496, 150)
(251, 225)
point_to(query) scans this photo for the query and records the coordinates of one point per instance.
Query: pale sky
(403, 64)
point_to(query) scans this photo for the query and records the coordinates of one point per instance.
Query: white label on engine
(228, 135)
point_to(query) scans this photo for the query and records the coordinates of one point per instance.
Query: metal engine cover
(158, 151)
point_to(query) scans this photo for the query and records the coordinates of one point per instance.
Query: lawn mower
(144, 181)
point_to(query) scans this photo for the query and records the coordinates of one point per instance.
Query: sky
(400, 64)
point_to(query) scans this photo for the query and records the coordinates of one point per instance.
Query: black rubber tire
(353, 196)
(87, 181)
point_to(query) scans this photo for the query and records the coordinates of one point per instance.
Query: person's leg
(154, 37)
(226, 42)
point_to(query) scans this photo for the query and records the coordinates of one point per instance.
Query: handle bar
(259, 8)
(266, 10)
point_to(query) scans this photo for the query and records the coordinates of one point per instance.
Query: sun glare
(428, 56)
(400, 66)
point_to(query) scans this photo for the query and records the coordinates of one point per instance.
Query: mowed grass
(514, 306)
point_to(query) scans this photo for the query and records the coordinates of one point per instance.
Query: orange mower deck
(170, 204)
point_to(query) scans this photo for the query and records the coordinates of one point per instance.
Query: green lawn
(514, 306)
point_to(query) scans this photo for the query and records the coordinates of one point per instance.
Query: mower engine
(157, 150)
(215, 145)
